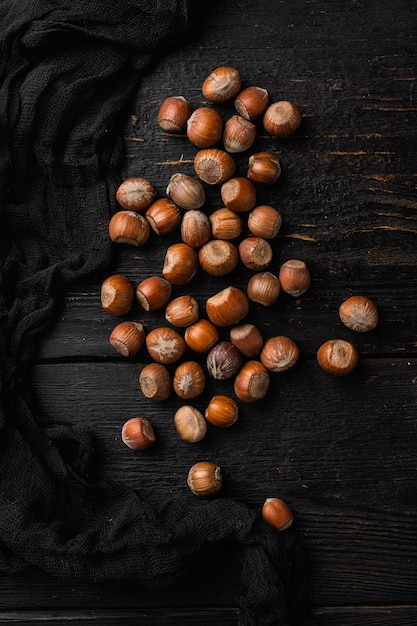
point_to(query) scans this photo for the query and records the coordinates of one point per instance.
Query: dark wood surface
(340, 451)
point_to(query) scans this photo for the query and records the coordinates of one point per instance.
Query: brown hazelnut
(190, 424)
(224, 361)
(264, 168)
(239, 134)
(155, 382)
(225, 224)
(195, 228)
(130, 228)
(182, 311)
(187, 192)
(127, 338)
(227, 307)
(218, 257)
(204, 127)
(337, 356)
(189, 380)
(264, 221)
(165, 345)
(164, 216)
(138, 433)
(264, 288)
(359, 313)
(252, 102)
(248, 339)
(180, 264)
(173, 114)
(277, 513)
(238, 194)
(222, 411)
(222, 84)
(214, 166)
(204, 478)
(252, 382)
(279, 353)
(153, 293)
(201, 336)
(294, 277)
(135, 194)
(117, 294)
(282, 119)
(255, 253)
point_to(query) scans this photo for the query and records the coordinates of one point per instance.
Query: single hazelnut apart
(204, 478)
(248, 339)
(222, 84)
(224, 361)
(252, 382)
(279, 353)
(195, 228)
(225, 224)
(282, 119)
(218, 257)
(264, 221)
(187, 192)
(294, 277)
(252, 102)
(238, 194)
(277, 513)
(129, 227)
(239, 134)
(227, 307)
(204, 127)
(182, 311)
(263, 288)
(127, 338)
(190, 424)
(201, 336)
(153, 293)
(189, 380)
(214, 166)
(135, 194)
(164, 216)
(155, 382)
(173, 114)
(359, 314)
(222, 411)
(117, 294)
(255, 253)
(264, 168)
(338, 357)
(180, 264)
(138, 433)
(165, 345)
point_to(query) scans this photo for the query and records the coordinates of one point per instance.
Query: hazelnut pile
(208, 241)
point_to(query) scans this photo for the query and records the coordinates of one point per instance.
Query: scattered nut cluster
(208, 242)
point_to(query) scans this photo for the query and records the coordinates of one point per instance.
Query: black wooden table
(340, 451)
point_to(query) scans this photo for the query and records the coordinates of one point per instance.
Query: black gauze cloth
(68, 70)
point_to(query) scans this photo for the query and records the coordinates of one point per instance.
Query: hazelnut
(227, 307)
(279, 353)
(222, 84)
(248, 339)
(238, 194)
(135, 194)
(129, 227)
(264, 168)
(138, 433)
(277, 513)
(187, 192)
(263, 288)
(264, 221)
(182, 311)
(204, 127)
(218, 257)
(117, 294)
(252, 102)
(195, 228)
(173, 114)
(239, 134)
(255, 253)
(180, 264)
(282, 119)
(164, 216)
(294, 277)
(214, 166)
(204, 478)
(165, 345)
(225, 224)
(201, 336)
(224, 361)
(127, 338)
(222, 411)
(190, 424)
(189, 380)
(153, 293)
(337, 356)
(155, 382)
(252, 382)
(359, 313)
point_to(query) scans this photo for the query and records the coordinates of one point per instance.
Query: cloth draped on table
(68, 69)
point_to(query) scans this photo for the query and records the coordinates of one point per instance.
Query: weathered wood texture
(340, 451)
